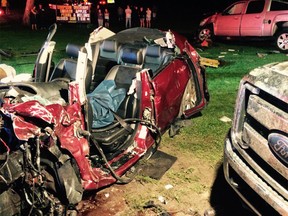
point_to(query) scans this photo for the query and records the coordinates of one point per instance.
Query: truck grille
(259, 115)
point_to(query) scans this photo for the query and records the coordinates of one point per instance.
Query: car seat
(114, 136)
(108, 56)
(131, 56)
(109, 49)
(67, 67)
(153, 58)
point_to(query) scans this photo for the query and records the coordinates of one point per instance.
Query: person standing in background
(142, 16)
(33, 18)
(120, 12)
(100, 17)
(41, 17)
(154, 15)
(106, 17)
(135, 16)
(148, 17)
(128, 16)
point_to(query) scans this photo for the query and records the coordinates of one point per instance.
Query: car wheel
(281, 40)
(205, 33)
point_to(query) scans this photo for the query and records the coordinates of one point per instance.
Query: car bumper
(250, 188)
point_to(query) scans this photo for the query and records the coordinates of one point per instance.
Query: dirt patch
(106, 202)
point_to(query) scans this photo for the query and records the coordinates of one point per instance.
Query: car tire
(281, 40)
(205, 33)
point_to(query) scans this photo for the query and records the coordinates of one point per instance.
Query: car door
(169, 87)
(228, 22)
(253, 19)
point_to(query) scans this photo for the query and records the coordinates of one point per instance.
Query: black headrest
(109, 46)
(72, 50)
(131, 56)
(109, 49)
(153, 51)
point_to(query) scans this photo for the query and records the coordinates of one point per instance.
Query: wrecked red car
(83, 123)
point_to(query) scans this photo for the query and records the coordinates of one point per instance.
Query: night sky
(183, 14)
(176, 15)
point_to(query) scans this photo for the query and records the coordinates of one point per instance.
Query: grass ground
(198, 147)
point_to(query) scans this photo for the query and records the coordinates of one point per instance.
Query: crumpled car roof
(138, 35)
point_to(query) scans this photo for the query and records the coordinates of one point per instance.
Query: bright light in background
(102, 2)
(110, 1)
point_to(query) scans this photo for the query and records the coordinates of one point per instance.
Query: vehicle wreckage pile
(82, 124)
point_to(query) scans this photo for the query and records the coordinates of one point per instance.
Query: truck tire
(281, 40)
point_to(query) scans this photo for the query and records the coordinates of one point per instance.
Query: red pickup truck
(250, 18)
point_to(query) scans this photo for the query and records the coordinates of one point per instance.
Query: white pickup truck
(256, 147)
(250, 18)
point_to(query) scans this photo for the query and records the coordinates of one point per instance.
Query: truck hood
(272, 78)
